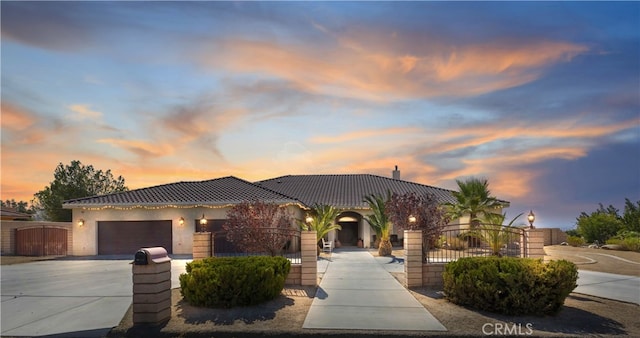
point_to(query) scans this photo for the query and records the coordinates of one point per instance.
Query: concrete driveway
(609, 285)
(69, 297)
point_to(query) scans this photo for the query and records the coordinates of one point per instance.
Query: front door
(348, 236)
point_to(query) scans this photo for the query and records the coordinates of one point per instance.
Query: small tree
(598, 226)
(631, 215)
(74, 181)
(492, 231)
(380, 223)
(418, 212)
(259, 227)
(474, 199)
(322, 221)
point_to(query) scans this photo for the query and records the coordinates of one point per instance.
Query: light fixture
(412, 219)
(309, 219)
(531, 217)
(81, 222)
(203, 224)
(181, 221)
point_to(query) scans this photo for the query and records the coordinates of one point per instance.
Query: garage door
(126, 237)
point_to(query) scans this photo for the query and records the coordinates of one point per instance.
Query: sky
(540, 98)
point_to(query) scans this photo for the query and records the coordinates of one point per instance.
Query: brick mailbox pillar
(309, 254)
(151, 286)
(202, 245)
(413, 258)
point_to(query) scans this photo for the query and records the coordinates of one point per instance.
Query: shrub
(575, 241)
(628, 240)
(508, 285)
(234, 281)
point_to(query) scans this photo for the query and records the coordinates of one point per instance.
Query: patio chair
(327, 245)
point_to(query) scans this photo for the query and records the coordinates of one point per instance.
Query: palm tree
(473, 199)
(494, 233)
(380, 222)
(321, 221)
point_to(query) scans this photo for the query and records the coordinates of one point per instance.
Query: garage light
(181, 221)
(80, 222)
(203, 224)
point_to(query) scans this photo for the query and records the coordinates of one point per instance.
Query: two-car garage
(126, 237)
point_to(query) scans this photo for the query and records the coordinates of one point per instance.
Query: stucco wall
(85, 239)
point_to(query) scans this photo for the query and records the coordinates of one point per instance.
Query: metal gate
(41, 241)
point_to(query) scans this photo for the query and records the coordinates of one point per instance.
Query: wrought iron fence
(467, 240)
(282, 243)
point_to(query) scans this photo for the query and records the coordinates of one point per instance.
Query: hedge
(233, 281)
(509, 285)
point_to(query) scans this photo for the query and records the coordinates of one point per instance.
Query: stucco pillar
(309, 260)
(413, 258)
(534, 240)
(202, 245)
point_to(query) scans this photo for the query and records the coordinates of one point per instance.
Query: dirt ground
(283, 317)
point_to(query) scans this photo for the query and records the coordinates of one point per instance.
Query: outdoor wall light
(531, 217)
(412, 219)
(181, 221)
(81, 222)
(203, 224)
(309, 219)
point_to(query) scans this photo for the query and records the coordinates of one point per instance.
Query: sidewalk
(607, 285)
(357, 293)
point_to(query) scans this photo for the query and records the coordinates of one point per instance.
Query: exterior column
(534, 239)
(309, 260)
(413, 258)
(202, 245)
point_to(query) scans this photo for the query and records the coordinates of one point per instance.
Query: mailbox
(153, 255)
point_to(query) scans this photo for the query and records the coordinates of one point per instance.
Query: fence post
(413, 258)
(534, 239)
(202, 245)
(309, 258)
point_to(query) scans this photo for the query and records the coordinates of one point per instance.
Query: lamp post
(531, 217)
(412, 219)
(203, 224)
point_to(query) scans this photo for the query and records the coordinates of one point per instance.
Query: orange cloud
(82, 111)
(363, 134)
(375, 71)
(142, 148)
(15, 118)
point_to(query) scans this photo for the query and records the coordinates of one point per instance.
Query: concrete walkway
(357, 293)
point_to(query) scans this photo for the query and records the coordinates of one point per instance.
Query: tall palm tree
(380, 222)
(322, 220)
(474, 199)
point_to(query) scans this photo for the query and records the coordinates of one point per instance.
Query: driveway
(69, 297)
(609, 285)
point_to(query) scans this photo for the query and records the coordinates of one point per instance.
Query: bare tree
(259, 227)
(418, 212)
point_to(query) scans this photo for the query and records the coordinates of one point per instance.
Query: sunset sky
(541, 98)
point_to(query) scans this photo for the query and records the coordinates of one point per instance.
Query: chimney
(396, 174)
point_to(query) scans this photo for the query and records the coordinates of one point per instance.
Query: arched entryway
(350, 223)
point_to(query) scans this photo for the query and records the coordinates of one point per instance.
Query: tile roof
(220, 191)
(346, 191)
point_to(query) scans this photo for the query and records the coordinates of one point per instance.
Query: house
(168, 215)
(11, 214)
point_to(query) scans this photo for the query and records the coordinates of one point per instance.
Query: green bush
(575, 241)
(509, 285)
(234, 281)
(628, 240)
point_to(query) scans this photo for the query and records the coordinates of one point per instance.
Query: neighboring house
(10, 214)
(168, 215)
